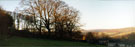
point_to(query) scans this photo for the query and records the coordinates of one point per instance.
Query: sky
(96, 14)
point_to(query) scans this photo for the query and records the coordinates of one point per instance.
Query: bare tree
(66, 21)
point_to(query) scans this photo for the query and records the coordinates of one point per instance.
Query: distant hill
(115, 33)
(120, 32)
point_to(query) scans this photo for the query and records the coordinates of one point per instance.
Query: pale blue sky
(96, 14)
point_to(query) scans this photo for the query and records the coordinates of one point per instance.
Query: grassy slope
(19, 41)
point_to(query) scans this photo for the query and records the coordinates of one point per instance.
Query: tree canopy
(52, 16)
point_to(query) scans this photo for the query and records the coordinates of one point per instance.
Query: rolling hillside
(115, 33)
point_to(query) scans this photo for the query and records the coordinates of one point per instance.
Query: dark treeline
(97, 38)
(45, 19)
(6, 23)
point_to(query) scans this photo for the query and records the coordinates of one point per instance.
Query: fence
(120, 45)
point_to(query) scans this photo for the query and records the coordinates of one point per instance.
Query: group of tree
(97, 38)
(44, 19)
(51, 18)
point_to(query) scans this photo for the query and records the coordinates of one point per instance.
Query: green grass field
(20, 41)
